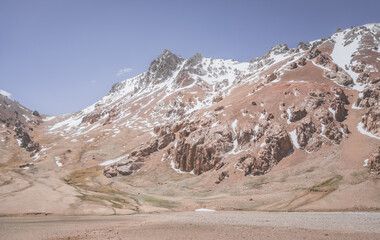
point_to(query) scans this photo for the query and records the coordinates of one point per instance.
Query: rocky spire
(163, 67)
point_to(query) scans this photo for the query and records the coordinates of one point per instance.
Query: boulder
(271, 77)
(322, 59)
(36, 113)
(302, 62)
(222, 176)
(110, 172)
(124, 170)
(293, 65)
(313, 53)
(344, 80)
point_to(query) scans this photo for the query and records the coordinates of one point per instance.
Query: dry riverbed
(197, 225)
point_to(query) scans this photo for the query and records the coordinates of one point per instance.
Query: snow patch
(293, 136)
(5, 93)
(332, 111)
(355, 107)
(57, 161)
(26, 117)
(214, 124)
(363, 131)
(48, 119)
(365, 163)
(176, 169)
(204, 210)
(289, 116)
(342, 56)
(108, 162)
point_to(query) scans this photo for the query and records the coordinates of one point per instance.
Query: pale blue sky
(59, 56)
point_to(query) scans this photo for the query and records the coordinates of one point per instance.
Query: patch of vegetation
(160, 202)
(327, 186)
(257, 182)
(358, 177)
(115, 202)
(80, 176)
(310, 170)
(84, 181)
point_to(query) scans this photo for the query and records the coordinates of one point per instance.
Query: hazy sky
(59, 56)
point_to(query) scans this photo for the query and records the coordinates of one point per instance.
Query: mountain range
(295, 130)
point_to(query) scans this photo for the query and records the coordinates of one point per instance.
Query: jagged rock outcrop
(124, 167)
(276, 50)
(344, 80)
(315, 99)
(222, 176)
(333, 132)
(201, 149)
(314, 143)
(374, 161)
(110, 171)
(323, 115)
(371, 120)
(24, 139)
(302, 62)
(296, 113)
(162, 67)
(305, 131)
(165, 140)
(275, 147)
(271, 77)
(91, 118)
(36, 113)
(369, 98)
(322, 59)
(313, 53)
(293, 65)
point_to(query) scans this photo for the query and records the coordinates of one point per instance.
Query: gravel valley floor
(197, 225)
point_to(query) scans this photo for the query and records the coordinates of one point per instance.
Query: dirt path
(196, 225)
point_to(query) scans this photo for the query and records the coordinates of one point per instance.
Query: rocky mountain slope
(297, 129)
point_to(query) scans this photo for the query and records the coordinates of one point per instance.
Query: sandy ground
(197, 225)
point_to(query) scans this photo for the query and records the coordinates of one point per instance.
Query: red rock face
(277, 146)
(200, 150)
(305, 131)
